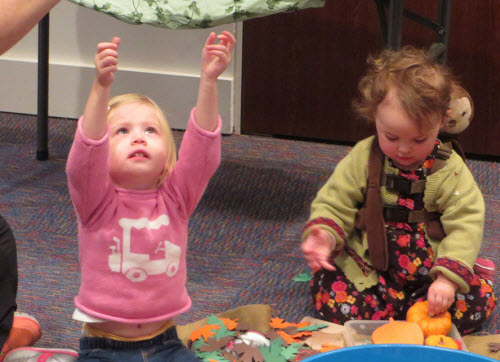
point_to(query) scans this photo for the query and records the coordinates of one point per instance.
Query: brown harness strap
(375, 227)
(372, 216)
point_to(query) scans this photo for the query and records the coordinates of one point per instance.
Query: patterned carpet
(244, 236)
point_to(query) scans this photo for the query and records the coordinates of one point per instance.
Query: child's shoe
(485, 268)
(25, 332)
(32, 354)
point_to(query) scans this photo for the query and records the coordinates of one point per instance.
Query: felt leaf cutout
(301, 334)
(328, 347)
(290, 351)
(199, 343)
(211, 357)
(304, 277)
(301, 325)
(214, 344)
(205, 332)
(313, 327)
(494, 347)
(279, 323)
(212, 319)
(273, 351)
(302, 355)
(271, 334)
(223, 332)
(290, 330)
(248, 353)
(288, 338)
(227, 355)
(229, 323)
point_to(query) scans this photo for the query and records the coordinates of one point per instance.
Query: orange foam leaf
(206, 331)
(325, 347)
(229, 323)
(279, 323)
(288, 338)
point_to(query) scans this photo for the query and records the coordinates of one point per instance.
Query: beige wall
(162, 63)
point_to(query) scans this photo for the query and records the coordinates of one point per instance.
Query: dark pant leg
(165, 347)
(8, 279)
(471, 310)
(337, 300)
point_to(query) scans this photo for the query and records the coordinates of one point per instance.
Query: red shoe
(25, 332)
(33, 354)
(485, 268)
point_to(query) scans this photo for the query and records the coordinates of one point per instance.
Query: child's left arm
(214, 60)
(455, 194)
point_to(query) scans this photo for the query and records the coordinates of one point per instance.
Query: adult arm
(18, 17)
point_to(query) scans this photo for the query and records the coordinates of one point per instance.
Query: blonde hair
(422, 85)
(120, 100)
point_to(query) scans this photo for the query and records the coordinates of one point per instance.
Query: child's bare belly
(130, 330)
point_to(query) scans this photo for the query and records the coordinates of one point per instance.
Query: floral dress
(406, 280)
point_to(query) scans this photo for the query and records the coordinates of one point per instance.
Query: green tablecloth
(188, 14)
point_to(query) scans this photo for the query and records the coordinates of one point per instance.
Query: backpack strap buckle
(402, 185)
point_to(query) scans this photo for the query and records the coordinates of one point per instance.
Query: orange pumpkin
(440, 340)
(398, 332)
(431, 325)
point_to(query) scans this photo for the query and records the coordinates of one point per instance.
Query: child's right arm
(94, 122)
(317, 249)
(88, 176)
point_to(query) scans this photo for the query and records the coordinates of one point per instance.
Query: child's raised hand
(317, 249)
(216, 57)
(106, 62)
(441, 295)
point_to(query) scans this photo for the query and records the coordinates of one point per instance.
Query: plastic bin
(397, 353)
(357, 333)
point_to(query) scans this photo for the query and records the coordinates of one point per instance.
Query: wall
(161, 63)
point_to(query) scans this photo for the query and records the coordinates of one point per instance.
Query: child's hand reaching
(441, 295)
(317, 248)
(96, 109)
(106, 62)
(216, 57)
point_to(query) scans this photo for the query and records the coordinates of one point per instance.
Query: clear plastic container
(358, 333)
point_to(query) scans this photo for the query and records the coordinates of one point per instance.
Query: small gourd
(440, 340)
(398, 332)
(431, 325)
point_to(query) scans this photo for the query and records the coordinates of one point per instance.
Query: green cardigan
(450, 191)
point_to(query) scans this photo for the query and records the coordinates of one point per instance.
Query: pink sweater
(132, 243)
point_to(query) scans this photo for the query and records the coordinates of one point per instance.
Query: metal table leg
(391, 25)
(42, 152)
(395, 26)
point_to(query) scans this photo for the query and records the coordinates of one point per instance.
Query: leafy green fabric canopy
(189, 14)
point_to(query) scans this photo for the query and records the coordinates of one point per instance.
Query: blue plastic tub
(397, 353)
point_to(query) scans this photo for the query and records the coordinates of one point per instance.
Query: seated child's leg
(25, 331)
(164, 347)
(16, 329)
(34, 354)
(337, 300)
(470, 310)
(8, 280)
